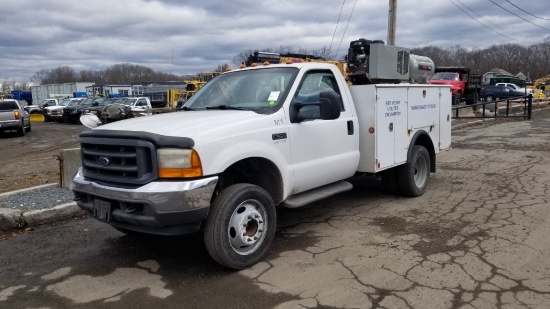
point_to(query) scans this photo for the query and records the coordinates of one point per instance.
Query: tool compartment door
(391, 126)
(424, 111)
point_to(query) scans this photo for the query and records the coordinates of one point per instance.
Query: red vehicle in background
(464, 85)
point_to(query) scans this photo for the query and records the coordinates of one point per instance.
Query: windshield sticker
(273, 96)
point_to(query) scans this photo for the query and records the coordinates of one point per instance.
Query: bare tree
(40, 76)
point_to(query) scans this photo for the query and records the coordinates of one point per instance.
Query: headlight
(49, 112)
(178, 163)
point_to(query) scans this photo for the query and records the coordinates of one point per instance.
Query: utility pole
(392, 17)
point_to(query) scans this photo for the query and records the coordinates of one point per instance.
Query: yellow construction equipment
(542, 83)
(36, 118)
(192, 86)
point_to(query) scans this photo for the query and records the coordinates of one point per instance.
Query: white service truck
(254, 139)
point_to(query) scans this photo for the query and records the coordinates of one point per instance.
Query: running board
(304, 198)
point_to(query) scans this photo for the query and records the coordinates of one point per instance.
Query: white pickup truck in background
(256, 138)
(140, 106)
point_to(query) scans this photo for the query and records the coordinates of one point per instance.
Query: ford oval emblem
(103, 161)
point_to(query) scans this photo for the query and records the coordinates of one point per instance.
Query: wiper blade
(226, 107)
(185, 108)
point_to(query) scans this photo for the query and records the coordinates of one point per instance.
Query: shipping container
(47, 91)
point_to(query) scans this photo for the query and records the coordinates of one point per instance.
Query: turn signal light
(16, 114)
(179, 163)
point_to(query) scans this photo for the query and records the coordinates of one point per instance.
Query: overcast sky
(187, 37)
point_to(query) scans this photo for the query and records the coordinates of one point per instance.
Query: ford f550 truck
(254, 139)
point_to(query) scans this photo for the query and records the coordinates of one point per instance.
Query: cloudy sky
(187, 37)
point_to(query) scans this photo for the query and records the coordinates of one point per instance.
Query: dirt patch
(436, 236)
(31, 160)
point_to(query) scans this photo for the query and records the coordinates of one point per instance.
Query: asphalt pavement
(478, 238)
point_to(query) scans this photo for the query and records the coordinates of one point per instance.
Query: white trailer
(47, 91)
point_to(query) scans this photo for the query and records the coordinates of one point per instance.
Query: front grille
(122, 161)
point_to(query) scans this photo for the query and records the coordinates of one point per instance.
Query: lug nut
(250, 239)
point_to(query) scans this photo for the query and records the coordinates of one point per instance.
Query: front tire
(240, 226)
(458, 97)
(414, 175)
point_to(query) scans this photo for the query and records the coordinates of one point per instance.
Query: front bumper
(159, 207)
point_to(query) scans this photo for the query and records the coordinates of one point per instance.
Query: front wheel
(240, 226)
(489, 98)
(414, 175)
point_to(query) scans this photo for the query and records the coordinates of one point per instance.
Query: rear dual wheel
(411, 178)
(414, 175)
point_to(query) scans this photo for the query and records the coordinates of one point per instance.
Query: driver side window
(315, 82)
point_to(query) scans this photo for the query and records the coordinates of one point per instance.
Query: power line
(488, 20)
(524, 11)
(518, 15)
(483, 23)
(353, 8)
(334, 34)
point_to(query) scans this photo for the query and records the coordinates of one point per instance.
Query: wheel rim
(489, 98)
(421, 172)
(246, 230)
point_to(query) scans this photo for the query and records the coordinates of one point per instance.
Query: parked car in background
(515, 87)
(71, 114)
(98, 105)
(33, 109)
(139, 106)
(13, 117)
(491, 93)
(55, 113)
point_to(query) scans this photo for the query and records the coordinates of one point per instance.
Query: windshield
(129, 102)
(445, 76)
(64, 102)
(119, 101)
(87, 102)
(74, 103)
(44, 102)
(261, 89)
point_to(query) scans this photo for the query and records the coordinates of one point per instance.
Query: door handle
(350, 127)
(391, 127)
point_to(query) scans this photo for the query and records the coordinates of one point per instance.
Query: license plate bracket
(102, 209)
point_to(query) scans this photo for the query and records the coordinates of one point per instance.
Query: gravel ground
(40, 198)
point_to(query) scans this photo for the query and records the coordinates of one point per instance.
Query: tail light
(16, 114)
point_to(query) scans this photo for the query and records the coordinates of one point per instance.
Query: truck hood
(183, 124)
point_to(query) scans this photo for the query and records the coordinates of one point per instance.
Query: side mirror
(327, 108)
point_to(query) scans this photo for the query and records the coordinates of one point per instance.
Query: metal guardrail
(520, 107)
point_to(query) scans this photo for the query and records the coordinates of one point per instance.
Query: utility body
(253, 139)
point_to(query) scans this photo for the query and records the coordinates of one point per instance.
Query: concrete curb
(12, 218)
(28, 189)
(47, 215)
